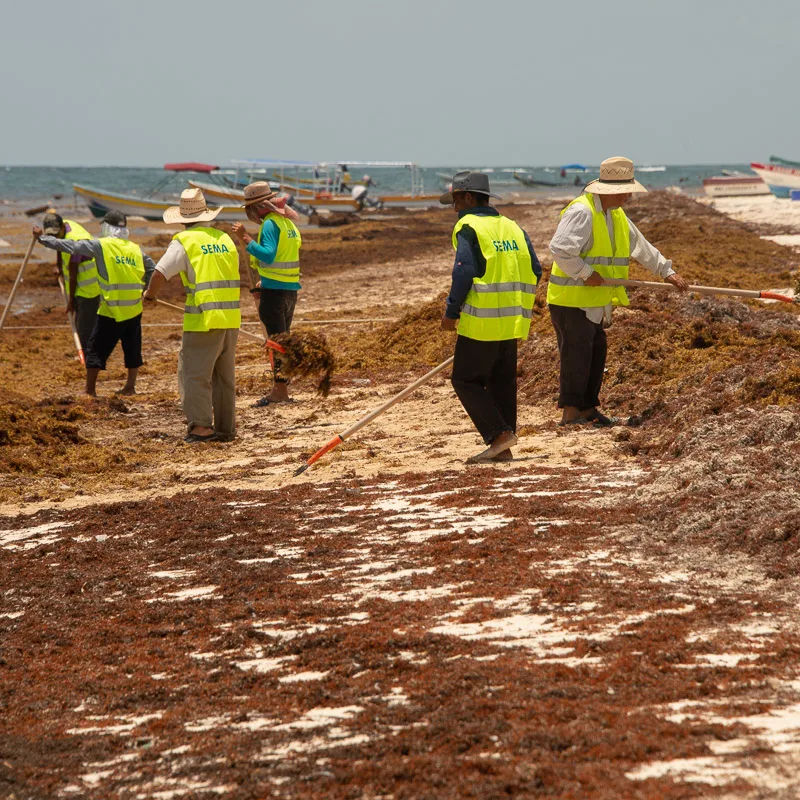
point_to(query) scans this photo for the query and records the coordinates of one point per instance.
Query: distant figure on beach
(80, 276)
(123, 272)
(275, 254)
(360, 195)
(490, 304)
(594, 241)
(208, 263)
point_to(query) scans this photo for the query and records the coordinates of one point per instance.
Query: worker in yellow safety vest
(123, 271)
(275, 255)
(490, 304)
(208, 263)
(594, 241)
(79, 273)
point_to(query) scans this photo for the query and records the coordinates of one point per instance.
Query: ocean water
(25, 187)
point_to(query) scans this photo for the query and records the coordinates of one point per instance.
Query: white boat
(334, 178)
(734, 185)
(319, 201)
(780, 178)
(101, 201)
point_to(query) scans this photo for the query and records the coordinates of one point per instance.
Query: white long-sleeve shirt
(574, 236)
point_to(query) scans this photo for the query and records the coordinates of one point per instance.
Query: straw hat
(258, 193)
(616, 177)
(192, 209)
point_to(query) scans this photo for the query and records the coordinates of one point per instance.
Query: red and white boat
(781, 176)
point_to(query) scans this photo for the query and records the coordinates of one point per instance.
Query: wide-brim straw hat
(616, 177)
(192, 209)
(258, 193)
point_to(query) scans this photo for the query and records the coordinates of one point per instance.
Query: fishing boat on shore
(332, 190)
(781, 175)
(101, 202)
(734, 185)
(153, 205)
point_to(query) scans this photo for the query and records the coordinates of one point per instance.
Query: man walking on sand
(207, 261)
(594, 240)
(80, 276)
(275, 254)
(490, 304)
(123, 271)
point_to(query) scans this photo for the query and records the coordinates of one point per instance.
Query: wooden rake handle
(266, 342)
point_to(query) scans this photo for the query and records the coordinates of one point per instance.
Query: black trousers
(485, 381)
(107, 332)
(582, 347)
(276, 310)
(85, 315)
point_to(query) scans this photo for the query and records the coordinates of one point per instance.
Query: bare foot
(126, 390)
(198, 430)
(506, 455)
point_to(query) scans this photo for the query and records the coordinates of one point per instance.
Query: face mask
(113, 231)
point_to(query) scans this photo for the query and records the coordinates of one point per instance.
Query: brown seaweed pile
(414, 340)
(307, 355)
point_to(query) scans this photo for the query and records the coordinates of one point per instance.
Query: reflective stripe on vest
(607, 259)
(212, 300)
(86, 280)
(121, 279)
(499, 305)
(286, 267)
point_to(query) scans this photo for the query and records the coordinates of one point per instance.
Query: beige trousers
(207, 379)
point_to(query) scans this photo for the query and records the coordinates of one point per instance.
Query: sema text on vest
(210, 249)
(505, 245)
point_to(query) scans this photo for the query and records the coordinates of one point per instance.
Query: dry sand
(609, 615)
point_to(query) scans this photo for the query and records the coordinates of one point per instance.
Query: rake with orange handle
(335, 442)
(752, 293)
(266, 342)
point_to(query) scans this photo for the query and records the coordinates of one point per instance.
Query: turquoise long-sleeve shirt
(265, 250)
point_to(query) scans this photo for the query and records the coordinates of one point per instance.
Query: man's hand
(149, 298)
(71, 305)
(677, 281)
(240, 232)
(594, 280)
(37, 232)
(449, 324)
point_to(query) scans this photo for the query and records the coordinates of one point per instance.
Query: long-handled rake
(341, 437)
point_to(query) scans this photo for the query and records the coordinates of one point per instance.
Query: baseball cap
(115, 218)
(52, 224)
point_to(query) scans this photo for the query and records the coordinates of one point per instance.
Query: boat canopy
(575, 166)
(784, 162)
(190, 166)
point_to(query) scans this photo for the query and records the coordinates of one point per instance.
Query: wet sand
(611, 614)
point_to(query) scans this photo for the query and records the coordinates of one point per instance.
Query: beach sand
(611, 614)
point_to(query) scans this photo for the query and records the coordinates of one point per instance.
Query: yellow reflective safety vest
(121, 279)
(606, 260)
(285, 268)
(499, 305)
(87, 271)
(212, 299)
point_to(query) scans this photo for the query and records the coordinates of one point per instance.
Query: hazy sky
(437, 82)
